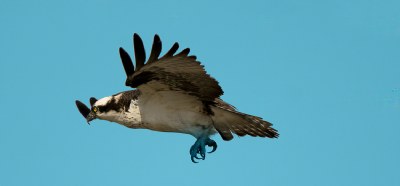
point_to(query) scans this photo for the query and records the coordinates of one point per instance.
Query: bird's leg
(199, 147)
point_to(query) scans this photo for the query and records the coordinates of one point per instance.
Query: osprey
(174, 94)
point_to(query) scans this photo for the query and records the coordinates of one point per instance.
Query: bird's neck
(130, 117)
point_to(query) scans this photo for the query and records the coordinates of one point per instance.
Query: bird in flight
(174, 94)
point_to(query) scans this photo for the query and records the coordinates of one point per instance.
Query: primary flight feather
(174, 94)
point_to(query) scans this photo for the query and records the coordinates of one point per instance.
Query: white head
(121, 108)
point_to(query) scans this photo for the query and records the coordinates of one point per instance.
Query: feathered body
(174, 94)
(164, 112)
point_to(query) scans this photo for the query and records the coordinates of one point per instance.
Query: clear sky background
(325, 73)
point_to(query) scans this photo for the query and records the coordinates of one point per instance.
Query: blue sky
(326, 73)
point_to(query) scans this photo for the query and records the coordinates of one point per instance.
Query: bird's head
(99, 109)
(122, 108)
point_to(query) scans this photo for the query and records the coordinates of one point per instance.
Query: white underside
(165, 111)
(171, 111)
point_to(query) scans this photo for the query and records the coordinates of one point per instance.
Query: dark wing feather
(140, 53)
(178, 72)
(171, 51)
(155, 49)
(126, 62)
(184, 52)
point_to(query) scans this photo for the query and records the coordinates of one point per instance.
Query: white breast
(170, 111)
(133, 115)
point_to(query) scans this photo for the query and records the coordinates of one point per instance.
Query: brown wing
(176, 72)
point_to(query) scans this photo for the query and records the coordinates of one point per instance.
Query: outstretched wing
(176, 72)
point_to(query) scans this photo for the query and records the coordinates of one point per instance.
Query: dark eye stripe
(123, 103)
(101, 109)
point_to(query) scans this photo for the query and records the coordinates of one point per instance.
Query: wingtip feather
(140, 53)
(155, 49)
(126, 62)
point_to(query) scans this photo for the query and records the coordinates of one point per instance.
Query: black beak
(85, 111)
(91, 116)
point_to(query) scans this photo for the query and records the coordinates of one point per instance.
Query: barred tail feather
(227, 120)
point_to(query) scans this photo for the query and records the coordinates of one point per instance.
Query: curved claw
(203, 155)
(193, 159)
(213, 144)
(214, 148)
(202, 151)
(193, 153)
(199, 148)
(196, 157)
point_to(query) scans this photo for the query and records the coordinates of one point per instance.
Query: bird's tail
(227, 120)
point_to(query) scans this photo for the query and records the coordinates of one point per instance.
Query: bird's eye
(95, 109)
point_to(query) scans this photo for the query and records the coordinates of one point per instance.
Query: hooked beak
(91, 116)
(85, 111)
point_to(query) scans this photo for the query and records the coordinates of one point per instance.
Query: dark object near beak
(85, 111)
(92, 101)
(90, 117)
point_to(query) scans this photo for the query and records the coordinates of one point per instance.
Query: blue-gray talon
(213, 144)
(199, 148)
(193, 160)
(213, 150)
(197, 157)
